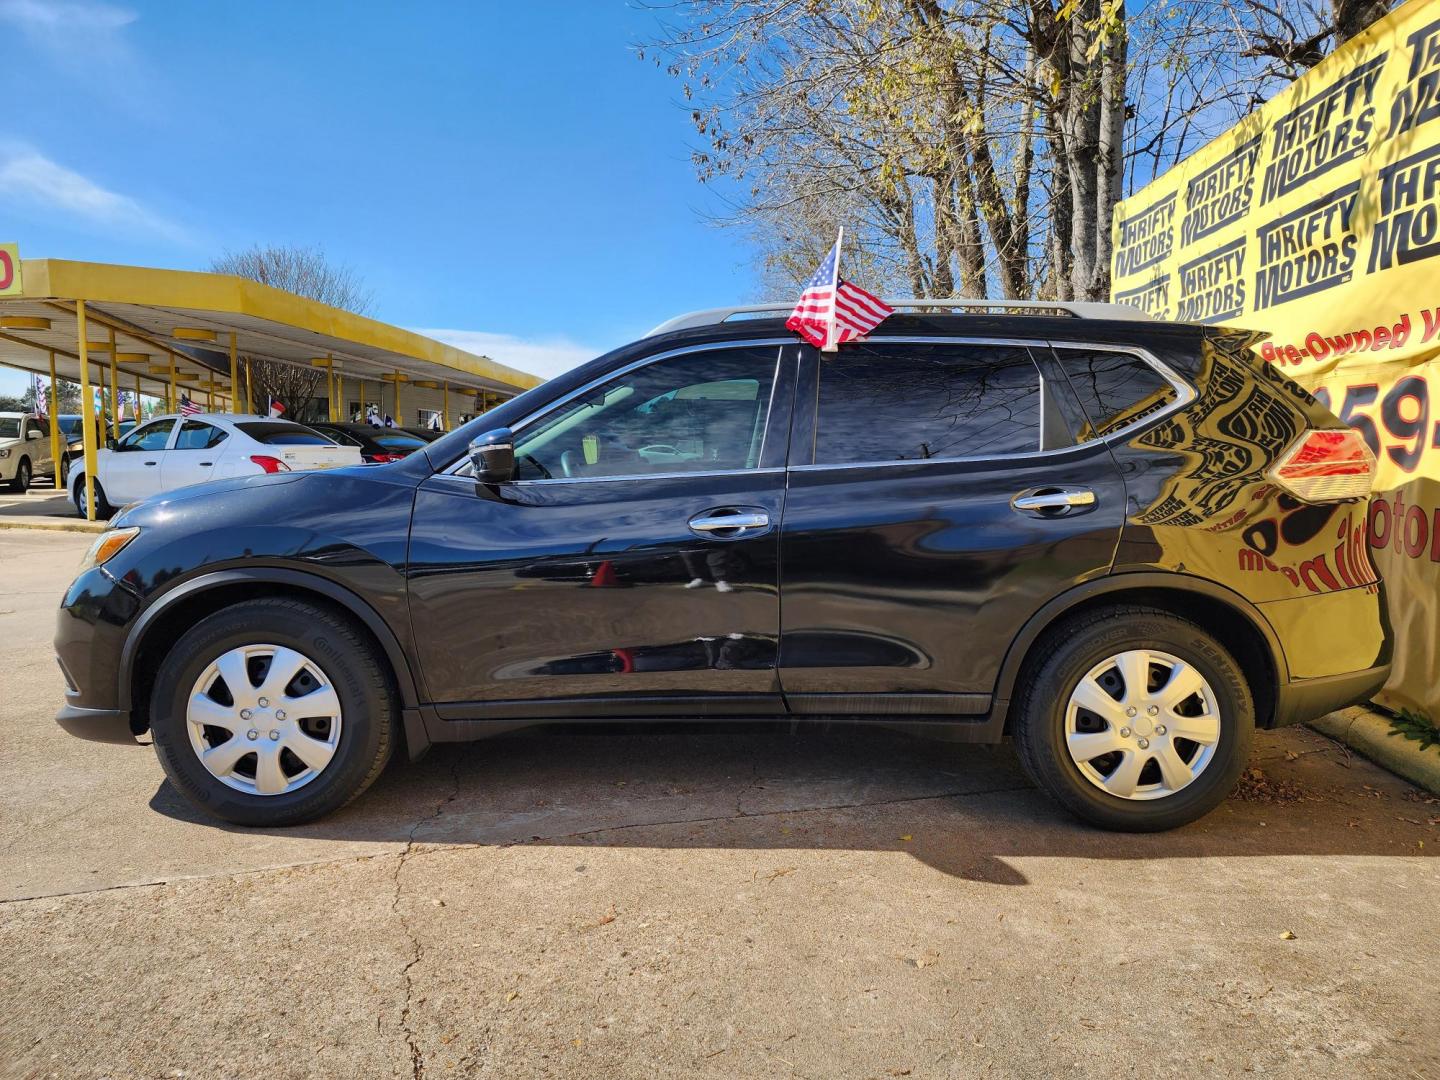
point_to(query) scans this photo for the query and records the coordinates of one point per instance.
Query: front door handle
(727, 522)
(152, 463)
(1053, 501)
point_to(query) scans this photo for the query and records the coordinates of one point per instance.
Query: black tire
(21, 483)
(1066, 654)
(103, 510)
(370, 714)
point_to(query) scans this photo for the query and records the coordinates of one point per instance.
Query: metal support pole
(114, 390)
(174, 402)
(340, 398)
(87, 409)
(399, 416)
(137, 397)
(249, 389)
(55, 426)
(445, 406)
(234, 375)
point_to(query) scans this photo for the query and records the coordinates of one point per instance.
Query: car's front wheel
(21, 483)
(272, 712)
(103, 510)
(1134, 719)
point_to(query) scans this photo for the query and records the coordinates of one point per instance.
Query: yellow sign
(10, 283)
(1317, 220)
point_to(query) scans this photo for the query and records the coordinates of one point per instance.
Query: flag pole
(831, 342)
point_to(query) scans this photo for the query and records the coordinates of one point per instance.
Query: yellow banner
(1317, 220)
(10, 283)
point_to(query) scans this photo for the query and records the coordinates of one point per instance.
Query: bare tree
(305, 272)
(971, 147)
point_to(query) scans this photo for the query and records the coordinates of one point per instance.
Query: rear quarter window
(279, 433)
(1115, 389)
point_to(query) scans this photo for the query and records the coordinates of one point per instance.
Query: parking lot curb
(1369, 733)
(56, 526)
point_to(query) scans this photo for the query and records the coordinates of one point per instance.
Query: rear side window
(914, 402)
(280, 433)
(197, 436)
(1115, 389)
(391, 441)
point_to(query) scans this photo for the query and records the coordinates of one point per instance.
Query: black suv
(1125, 544)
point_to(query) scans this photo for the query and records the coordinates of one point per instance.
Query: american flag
(831, 311)
(188, 407)
(42, 398)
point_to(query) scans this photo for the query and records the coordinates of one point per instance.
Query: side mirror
(493, 456)
(109, 442)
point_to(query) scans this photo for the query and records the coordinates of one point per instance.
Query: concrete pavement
(726, 904)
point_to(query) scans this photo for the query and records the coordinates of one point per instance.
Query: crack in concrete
(417, 951)
(749, 816)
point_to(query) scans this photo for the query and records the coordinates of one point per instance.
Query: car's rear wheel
(1134, 719)
(272, 712)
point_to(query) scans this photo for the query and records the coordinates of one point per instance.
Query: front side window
(886, 402)
(1115, 389)
(197, 436)
(150, 437)
(700, 412)
(9, 427)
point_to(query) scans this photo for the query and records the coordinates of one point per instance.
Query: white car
(176, 451)
(24, 449)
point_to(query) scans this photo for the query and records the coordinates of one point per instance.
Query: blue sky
(510, 174)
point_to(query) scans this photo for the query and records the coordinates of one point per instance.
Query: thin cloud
(546, 357)
(29, 178)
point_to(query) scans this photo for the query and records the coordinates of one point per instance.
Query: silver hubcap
(1142, 724)
(264, 719)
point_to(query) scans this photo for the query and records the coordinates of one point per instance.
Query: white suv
(175, 451)
(24, 449)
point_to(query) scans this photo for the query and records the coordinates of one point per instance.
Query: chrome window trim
(625, 369)
(630, 477)
(1184, 391)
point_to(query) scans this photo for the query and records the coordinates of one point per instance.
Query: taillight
(1323, 466)
(385, 459)
(269, 464)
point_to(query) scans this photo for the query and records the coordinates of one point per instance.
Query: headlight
(5, 453)
(106, 546)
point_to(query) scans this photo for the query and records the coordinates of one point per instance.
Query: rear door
(192, 460)
(937, 499)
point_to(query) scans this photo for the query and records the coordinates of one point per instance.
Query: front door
(937, 499)
(132, 470)
(631, 568)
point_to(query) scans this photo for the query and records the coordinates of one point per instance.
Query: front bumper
(91, 626)
(96, 725)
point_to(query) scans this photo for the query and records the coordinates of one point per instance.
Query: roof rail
(1075, 309)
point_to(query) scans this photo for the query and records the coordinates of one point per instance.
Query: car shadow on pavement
(964, 810)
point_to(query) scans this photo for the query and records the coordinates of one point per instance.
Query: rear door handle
(1053, 501)
(727, 522)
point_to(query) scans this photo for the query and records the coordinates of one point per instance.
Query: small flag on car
(831, 311)
(188, 407)
(277, 407)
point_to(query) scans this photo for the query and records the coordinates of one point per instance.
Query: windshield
(282, 433)
(70, 425)
(9, 427)
(391, 441)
